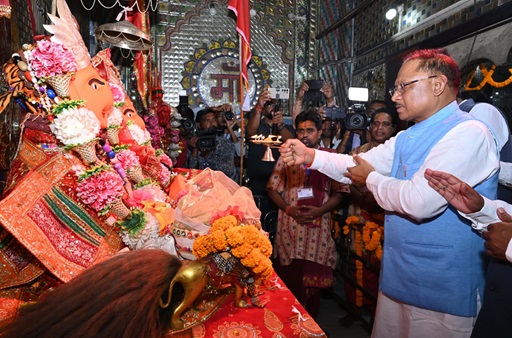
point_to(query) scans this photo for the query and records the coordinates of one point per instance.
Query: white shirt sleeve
(492, 117)
(505, 177)
(468, 151)
(508, 253)
(458, 152)
(481, 219)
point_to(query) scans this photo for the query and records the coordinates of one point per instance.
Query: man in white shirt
(432, 274)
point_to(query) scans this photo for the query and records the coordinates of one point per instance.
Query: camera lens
(229, 115)
(357, 121)
(189, 125)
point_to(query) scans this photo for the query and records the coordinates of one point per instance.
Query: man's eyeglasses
(400, 88)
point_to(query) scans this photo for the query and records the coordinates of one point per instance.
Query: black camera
(207, 139)
(229, 115)
(189, 125)
(314, 93)
(356, 117)
(334, 113)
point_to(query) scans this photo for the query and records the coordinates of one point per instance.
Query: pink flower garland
(164, 159)
(155, 130)
(239, 215)
(117, 92)
(128, 159)
(50, 58)
(165, 175)
(100, 190)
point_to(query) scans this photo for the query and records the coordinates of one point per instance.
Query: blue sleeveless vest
(438, 263)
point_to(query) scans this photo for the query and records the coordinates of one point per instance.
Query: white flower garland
(76, 126)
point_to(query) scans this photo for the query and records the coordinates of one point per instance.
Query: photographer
(208, 149)
(227, 122)
(186, 128)
(356, 138)
(328, 95)
(261, 119)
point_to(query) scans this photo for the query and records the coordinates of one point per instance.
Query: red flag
(140, 64)
(243, 27)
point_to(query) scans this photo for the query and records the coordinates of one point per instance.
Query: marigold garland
(371, 237)
(245, 242)
(488, 78)
(372, 234)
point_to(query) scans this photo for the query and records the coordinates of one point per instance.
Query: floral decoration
(66, 105)
(245, 242)
(115, 119)
(368, 237)
(174, 147)
(117, 92)
(488, 78)
(162, 212)
(74, 126)
(135, 223)
(99, 187)
(50, 58)
(234, 211)
(163, 158)
(140, 136)
(155, 130)
(164, 176)
(372, 238)
(128, 159)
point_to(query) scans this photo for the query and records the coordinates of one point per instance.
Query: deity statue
(84, 165)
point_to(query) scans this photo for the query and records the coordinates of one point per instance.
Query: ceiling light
(391, 13)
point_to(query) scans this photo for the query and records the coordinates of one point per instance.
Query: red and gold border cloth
(44, 227)
(276, 319)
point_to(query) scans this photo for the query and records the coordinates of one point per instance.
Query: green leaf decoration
(135, 222)
(67, 104)
(144, 182)
(93, 171)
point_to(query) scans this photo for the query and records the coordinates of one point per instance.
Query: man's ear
(439, 83)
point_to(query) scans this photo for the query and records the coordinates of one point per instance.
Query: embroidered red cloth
(277, 319)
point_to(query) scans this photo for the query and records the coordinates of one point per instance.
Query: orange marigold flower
(378, 253)
(202, 246)
(234, 235)
(241, 251)
(219, 240)
(251, 234)
(352, 220)
(252, 259)
(265, 247)
(224, 223)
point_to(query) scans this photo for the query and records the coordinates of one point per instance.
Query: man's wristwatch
(280, 127)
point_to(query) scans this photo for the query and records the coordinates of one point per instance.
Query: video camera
(353, 118)
(356, 117)
(207, 139)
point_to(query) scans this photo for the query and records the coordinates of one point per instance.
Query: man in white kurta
(431, 279)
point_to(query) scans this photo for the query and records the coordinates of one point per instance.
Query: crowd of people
(439, 211)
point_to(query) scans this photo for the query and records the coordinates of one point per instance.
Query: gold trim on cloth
(31, 154)
(62, 250)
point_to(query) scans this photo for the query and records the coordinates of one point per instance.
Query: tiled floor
(329, 316)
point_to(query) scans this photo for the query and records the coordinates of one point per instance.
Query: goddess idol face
(130, 114)
(88, 85)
